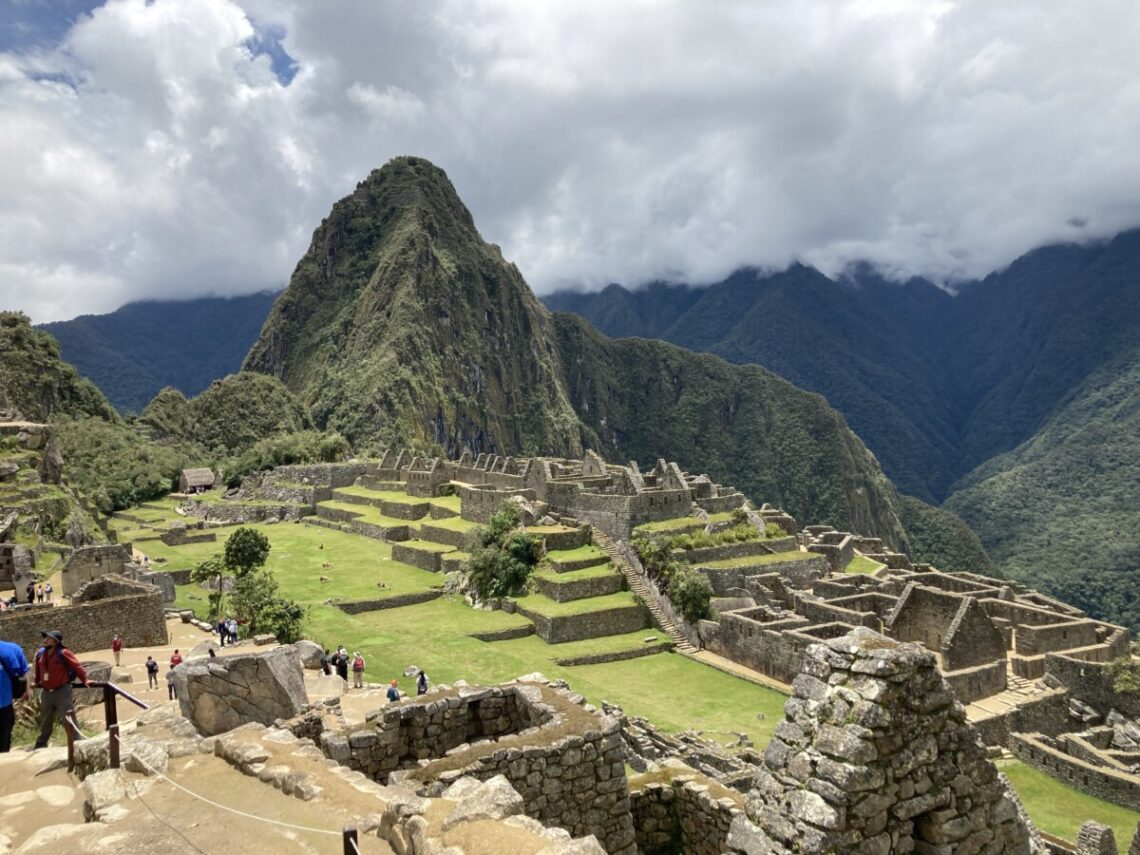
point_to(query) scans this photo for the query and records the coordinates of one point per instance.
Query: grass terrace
(1059, 809)
(595, 572)
(367, 514)
(427, 546)
(757, 560)
(567, 556)
(454, 524)
(382, 495)
(549, 608)
(862, 565)
(675, 526)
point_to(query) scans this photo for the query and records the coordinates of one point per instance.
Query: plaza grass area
(1058, 809)
(862, 565)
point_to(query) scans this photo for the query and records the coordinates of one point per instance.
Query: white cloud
(154, 152)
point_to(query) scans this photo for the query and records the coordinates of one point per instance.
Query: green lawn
(383, 495)
(367, 513)
(568, 555)
(533, 646)
(453, 524)
(576, 575)
(753, 560)
(1058, 809)
(428, 546)
(676, 524)
(451, 503)
(550, 608)
(548, 529)
(861, 564)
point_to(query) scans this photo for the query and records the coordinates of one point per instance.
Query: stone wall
(138, 618)
(355, 607)
(874, 755)
(579, 589)
(682, 815)
(981, 681)
(91, 562)
(1108, 784)
(325, 474)
(616, 621)
(1091, 683)
(424, 559)
(562, 757)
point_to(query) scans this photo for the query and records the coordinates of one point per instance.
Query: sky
(165, 149)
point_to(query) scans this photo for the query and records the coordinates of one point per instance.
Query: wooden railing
(110, 713)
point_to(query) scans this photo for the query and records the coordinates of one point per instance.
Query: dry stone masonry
(875, 756)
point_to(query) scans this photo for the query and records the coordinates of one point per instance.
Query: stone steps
(639, 586)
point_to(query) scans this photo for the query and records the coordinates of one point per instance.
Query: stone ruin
(875, 756)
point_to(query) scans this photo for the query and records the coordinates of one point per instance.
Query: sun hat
(54, 633)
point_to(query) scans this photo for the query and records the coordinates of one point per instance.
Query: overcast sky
(176, 148)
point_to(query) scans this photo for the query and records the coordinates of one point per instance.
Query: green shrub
(1125, 673)
(690, 592)
(505, 557)
(286, 449)
(699, 540)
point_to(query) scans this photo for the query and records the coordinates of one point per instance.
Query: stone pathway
(640, 587)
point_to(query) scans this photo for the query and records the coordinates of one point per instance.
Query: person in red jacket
(117, 647)
(56, 667)
(176, 659)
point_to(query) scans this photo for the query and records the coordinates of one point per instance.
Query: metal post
(70, 739)
(349, 837)
(111, 712)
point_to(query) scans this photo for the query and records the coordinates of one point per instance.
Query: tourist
(39, 593)
(393, 691)
(31, 592)
(117, 647)
(151, 673)
(47, 592)
(232, 630)
(222, 631)
(421, 683)
(13, 687)
(340, 660)
(171, 694)
(56, 667)
(357, 670)
(176, 659)
(326, 669)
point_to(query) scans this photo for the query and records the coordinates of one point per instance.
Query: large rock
(223, 693)
(493, 799)
(310, 653)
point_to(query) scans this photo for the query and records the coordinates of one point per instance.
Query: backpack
(152, 666)
(59, 648)
(19, 684)
(358, 664)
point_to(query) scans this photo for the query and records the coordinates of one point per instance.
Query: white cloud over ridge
(158, 150)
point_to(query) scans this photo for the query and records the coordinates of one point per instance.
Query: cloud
(172, 148)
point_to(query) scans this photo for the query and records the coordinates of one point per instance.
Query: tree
(245, 551)
(260, 609)
(211, 573)
(502, 562)
(690, 591)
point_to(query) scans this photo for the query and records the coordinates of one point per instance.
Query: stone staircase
(640, 586)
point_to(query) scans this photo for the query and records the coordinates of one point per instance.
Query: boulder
(223, 693)
(264, 639)
(100, 791)
(493, 799)
(310, 653)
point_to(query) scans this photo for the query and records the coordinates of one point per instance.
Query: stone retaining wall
(391, 533)
(580, 589)
(615, 621)
(422, 558)
(355, 607)
(681, 816)
(440, 534)
(505, 634)
(1108, 784)
(616, 655)
(970, 684)
(1091, 683)
(759, 546)
(138, 618)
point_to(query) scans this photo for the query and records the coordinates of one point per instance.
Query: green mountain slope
(1062, 510)
(135, 351)
(402, 326)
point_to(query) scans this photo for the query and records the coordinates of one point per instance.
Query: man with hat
(14, 666)
(56, 667)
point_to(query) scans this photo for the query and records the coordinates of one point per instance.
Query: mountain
(132, 353)
(401, 326)
(991, 402)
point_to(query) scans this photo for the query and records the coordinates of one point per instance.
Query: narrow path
(714, 660)
(640, 586)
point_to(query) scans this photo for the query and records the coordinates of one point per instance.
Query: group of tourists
(227, 630)
(33, 593)
(341, 663)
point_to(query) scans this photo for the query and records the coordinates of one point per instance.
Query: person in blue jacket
(14, 666)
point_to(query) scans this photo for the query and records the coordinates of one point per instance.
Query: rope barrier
(229, 809)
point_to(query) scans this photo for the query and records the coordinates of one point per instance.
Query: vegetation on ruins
(739, 533)
(1125, 674)
(308, 446)
(501, 564)
(687, 588)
